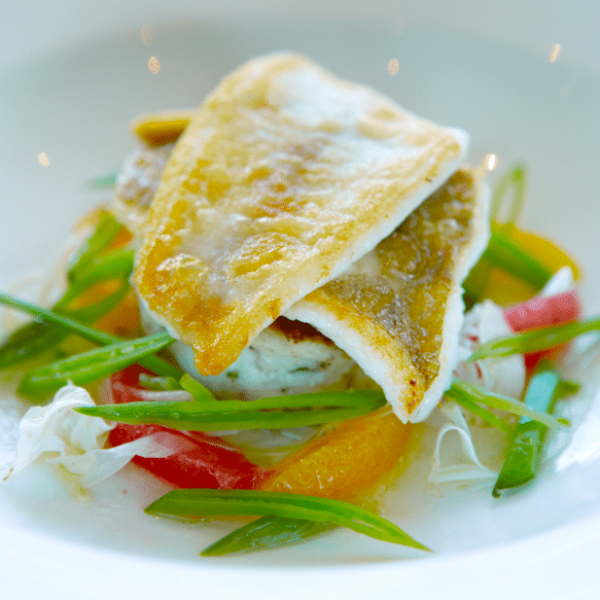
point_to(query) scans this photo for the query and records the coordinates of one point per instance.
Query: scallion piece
(480, 395)
(197, 502)
(514, 178)
(104, 233)
(29, 342)
(266, 533)
(154, 363)
(158, 384)
(117, 264)
(523, 454)
(93, 365)
(535, 340)
(195, 388)
(35, 338)
(504, 252)
(483, 413)
(265, 413)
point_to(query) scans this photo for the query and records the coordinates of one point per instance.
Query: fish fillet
(283, 178)
(398, 311)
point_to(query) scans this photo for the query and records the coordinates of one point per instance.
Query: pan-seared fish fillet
(398, 311)
(284, 177)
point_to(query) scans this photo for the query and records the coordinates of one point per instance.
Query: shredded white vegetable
(562, 281)
(506, 376)
(461, 475)
(58, 435)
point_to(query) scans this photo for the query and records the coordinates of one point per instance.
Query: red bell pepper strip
(204, 462)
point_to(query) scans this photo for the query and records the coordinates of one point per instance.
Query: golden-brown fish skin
(282, 179)
(399, 318)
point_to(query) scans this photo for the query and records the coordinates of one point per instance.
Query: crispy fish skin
(400, 319)
(283, 178)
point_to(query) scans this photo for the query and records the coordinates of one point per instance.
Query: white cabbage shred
(506, 376)
(457, 476)
(58, 435)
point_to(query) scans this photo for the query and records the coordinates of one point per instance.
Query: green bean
(91, 366)
(33, 339)
(486, 415)
(196, 502)
(153, 363)
(117, 264)
(29, 342)
(523, 454)
(266, 533)
(504, 252)
(225, 415)
(482, 396)
(535, 340)
(158, 384)
(105, 232)
(195, 388)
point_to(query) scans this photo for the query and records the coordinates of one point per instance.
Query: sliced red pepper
(206, 462)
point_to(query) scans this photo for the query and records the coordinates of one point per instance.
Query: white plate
(71, 78)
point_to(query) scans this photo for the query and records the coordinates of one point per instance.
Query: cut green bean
(535, 340)
(267, 533)
(523, 454)
(153, 363)
(29, 342)
(93, 365)
(196, 502)
(226, 415)
(195, 388)
(504, 252)
(480, 395)
(117, 264)
(33, 339)
(158, 384)
(483, 413)
(105, 232)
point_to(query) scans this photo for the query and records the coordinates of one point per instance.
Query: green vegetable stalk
(196, 502)
(523, 455)
(206, 414)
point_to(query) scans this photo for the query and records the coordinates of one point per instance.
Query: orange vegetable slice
(506, 289)
(353, 458)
